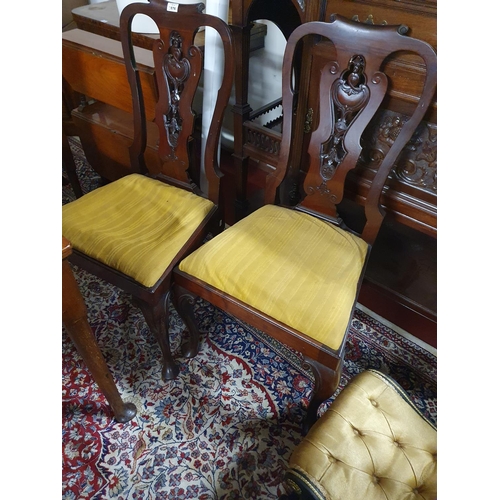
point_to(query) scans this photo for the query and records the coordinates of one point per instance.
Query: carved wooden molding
(369, 20)
(176, 71)
(260, 140)
(349, 97)
(415, 167)
(417, 163)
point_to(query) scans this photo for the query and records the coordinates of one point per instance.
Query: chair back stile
(178, 68)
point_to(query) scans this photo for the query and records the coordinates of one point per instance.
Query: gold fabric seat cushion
(371, 444)
(289, 265)
(136, 225)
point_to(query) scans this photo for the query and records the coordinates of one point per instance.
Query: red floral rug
(225, 428)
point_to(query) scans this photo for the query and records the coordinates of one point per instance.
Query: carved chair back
(178, 63)
(352, 86)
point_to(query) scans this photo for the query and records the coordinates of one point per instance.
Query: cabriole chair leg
(157, 318)
(184, 304)
(326, 382)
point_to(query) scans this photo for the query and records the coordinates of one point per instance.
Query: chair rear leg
(157, 316)
(326, 381)
(183, 301)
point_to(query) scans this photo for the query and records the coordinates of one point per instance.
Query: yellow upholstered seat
(372, 444)
(136, 225)
(289, 265)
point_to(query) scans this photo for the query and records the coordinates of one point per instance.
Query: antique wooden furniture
(400, 281)
(295, 271)
(134, 230)
(70, 167)
(372, 443)
(103, 19)
(74, 315)
(93, 67)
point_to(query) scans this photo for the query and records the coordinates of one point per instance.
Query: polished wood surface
(93, 66)
(74, 315)
(350, 88)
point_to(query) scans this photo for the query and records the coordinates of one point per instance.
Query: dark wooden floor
(400, 290)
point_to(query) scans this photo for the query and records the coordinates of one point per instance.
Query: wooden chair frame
(173, 51)
(352, 88)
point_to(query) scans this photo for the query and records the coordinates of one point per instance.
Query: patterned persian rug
(225, 428)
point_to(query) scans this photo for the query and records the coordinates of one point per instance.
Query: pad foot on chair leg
(127, 412)
(157, 318)
(190, 349)
(169, 371)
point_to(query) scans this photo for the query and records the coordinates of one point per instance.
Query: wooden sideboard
(92, 66)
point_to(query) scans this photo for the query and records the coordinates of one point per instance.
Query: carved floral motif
(417, 163)
(176, 70)
(349, 97)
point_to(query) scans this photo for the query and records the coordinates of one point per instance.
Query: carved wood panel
(416, 167)
(411, 192)
(419, 15)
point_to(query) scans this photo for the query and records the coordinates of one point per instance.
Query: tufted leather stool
(371, 444)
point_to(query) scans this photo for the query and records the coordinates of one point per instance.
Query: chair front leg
(326, 381)
(157, 318)
(74, 315)
(184, 303)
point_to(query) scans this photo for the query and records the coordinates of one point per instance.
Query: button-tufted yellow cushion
(136, 225)
(289, 265)
(371, 444)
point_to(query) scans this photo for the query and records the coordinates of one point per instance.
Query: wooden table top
(103, 19)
